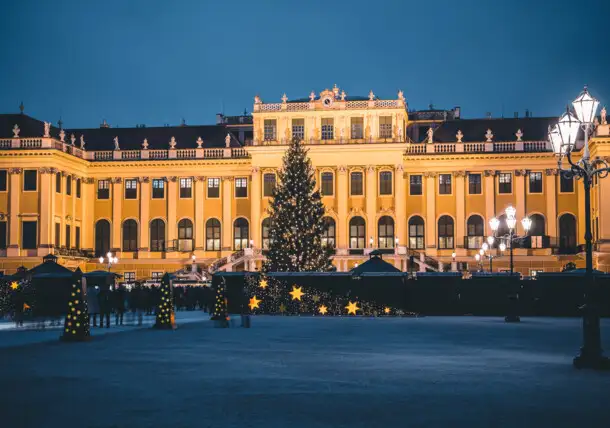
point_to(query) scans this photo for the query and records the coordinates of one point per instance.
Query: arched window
(130, 235)
(445, 232)
(476, 230)
(240, 234)
(385, 232)
(567, 232)
(266, 228)
(328, 236)
(212, 235)
(537, 231)
(356, 232)
(157, 235)
(416, 233)
(185, 229)
(102, 238)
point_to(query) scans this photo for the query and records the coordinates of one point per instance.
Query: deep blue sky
(156, 62)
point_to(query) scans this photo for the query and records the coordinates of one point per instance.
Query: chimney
(219, 118)
(456, 112)
(488, 115)
(104, 124)
(527, 113)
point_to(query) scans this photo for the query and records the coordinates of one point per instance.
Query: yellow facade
(344, 136)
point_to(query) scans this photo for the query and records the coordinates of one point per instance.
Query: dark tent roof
(49, 269)
(101, 274)
(374, 264)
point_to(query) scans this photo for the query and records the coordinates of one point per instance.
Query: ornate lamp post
(109, 260)
(563, 139)
(477, 257)
(511, 223)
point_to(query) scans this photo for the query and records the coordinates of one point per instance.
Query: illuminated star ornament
(315, 299)
(254, 302)
(297, 292)
(263, 284)
(323, 309)
(14, 285)
(387, 310)
(282, 308)
(352, 307)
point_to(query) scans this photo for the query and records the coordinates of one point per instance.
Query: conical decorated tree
(297, 225)
(165, 310)
(76, 324)
(220, 312)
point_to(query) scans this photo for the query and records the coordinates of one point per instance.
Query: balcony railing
(491, 147)
(181, 245)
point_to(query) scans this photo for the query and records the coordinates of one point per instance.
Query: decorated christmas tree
(76, 324)
(165, 310)
(297, 225)
(220, 305)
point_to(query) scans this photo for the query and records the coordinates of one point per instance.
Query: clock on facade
(327, 101)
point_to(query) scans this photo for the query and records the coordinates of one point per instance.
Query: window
(476, 231)
(269, 129)
(186, 187)
(268, 184)
(57, 235)
(298, 129)
(385, 183)
(103, 189)
(416, 233)
(385, 127)
(474, 184)
(77, 237)
(213, 187)
(567, 232)
(444, 184)
(266, 228)
(357, 128)
(102, 238)
(158, 188)
(30, 180)
(68, 185)
(445, 232)
(356, 232)
(68, 236)
(2, 235)
(328, 235)
(212, 235)
(240, 234)
(538, 225)
(386, 232)
(29, 235)
(129, 277)
(535, 182)
(130, 235)
(58, 182)
(566, 185)
(157, 235)
(356, 185)
(3, 180)
(241, 187)
(157, 276)
(78, 182)
(185, 229)
(131, 189)
(328, 129)
(327, 187)
(505, 182)
(415, 185)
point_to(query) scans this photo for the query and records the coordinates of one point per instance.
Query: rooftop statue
(604, 119)
(430, 135)
(47, 129)
(116, 143)
(82, 142)
(228, 140)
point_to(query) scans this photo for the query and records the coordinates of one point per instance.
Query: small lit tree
(76, 324)
(165, 310)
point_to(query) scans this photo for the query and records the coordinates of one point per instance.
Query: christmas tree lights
(165, 311)
(76, 323)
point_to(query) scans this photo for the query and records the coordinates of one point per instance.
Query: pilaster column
(551, 202)
(13, 211)
(520, 176)
(342, 192)
(45, 211)
(490, 198)
(460, 209)
(430, 209)
(72, 244)
(144, 216)
(64, 210)
(400, 202)
(88, 214)
(227, 224)
(255, 208)
(117, 205)
(371, 203)
(199, 202)
(172, 202)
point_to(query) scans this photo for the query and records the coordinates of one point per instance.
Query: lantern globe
(585, 107)
(526, 223)
(568, 128)
(555, 140)
(494, 223)
(510, 211)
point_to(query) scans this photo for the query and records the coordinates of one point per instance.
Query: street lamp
(477, 257)
(109, 260)
(511, 223)
(563, 140)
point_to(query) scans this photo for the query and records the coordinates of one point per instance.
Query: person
(18, 302)
(93, 304)
(139, 301)
(105, 303)
(119, 304)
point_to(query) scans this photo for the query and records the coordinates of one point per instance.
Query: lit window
(131, 189)
(328, 129)
(385, 183)
(268, 184)
(535, 182)
(241, 187)
(186, 187)
(505, 182)
(103, 189)
(444, 184)
(298, 129)
(269, 129)
(385, 127)
(213, 187)
(357, 128)
(158, 188)
(474, 184)
(415, 184)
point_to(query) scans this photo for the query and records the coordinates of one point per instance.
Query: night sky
(156, 62)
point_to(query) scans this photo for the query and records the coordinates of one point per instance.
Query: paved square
(311, 372)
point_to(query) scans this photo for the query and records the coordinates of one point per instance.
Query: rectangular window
(535, 182)
(328, 129)
(129, 277)
(357, 129)
(103, 189)
(385, 127)
(57, 235)
(3, 180)
(505, 182)
(415, 184)
(186, 187)
(2, 235)
(213, 187)
(30, 180)
(268, 184)
(158, 188)
(29, 235)
(444, 184)
(356, 184)
(474, 184)
(566, 185)
(78, 188)
(68, 237)
(298, 129)
(385, 183)
(157, 276)
(58, 182)
(269, 129)
(131, 188)
(241, 187)
(77, 237)
(68, 185)
(327, 186)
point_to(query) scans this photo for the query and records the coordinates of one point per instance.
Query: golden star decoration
(296, 293)
(323, 309)
(263, 284)
(352, 307)
(254, 302)
(14, 285)
(387, 310)
(315, 299)
(282, 308)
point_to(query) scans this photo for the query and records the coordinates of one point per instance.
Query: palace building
(409, 183)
